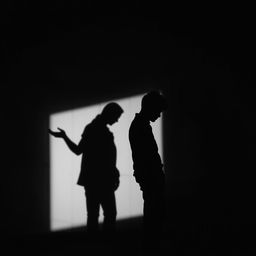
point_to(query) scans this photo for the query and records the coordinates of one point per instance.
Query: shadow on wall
(67, 202)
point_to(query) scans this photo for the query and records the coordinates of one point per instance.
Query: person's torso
(99, 154)
(144, 147)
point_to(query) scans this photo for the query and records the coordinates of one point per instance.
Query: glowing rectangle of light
(67, 199)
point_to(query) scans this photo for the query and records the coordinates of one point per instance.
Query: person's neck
(144, 115)
(103, 120)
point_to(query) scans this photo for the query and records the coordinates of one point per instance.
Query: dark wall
(74, 60)
(211, 166)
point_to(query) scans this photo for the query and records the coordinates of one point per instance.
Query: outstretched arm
(71, 145)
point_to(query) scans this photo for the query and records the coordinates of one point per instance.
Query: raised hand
(59, 134)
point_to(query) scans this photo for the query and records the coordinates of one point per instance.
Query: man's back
(146, 160)
(98, 165)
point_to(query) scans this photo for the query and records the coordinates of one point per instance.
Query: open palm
(58, 134)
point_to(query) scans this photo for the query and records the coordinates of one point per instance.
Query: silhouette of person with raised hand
(98, 174)
(148, 167)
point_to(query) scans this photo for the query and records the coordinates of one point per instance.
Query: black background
(58, 55)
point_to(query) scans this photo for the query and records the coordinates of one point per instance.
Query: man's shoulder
(136, 120)
(91, 128)
(139, 122)
(137, 127)
(134, 123)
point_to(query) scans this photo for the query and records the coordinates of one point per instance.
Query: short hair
(154, 99)
(112, 108)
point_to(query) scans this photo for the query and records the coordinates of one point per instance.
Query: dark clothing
(147, 164)
(99, 174)
(98, 167)
(148, 172)
(95, 199)
(153, 215)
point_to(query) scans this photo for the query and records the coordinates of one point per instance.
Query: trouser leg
(93, 207)
(108, 203)
(153, 214)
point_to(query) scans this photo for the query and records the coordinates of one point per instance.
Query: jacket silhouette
(98, 175)
(98, 166)
(147, 163)
(148, 167)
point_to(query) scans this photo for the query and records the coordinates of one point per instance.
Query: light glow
(67, 199)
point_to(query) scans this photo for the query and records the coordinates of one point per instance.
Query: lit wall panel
(67, 200)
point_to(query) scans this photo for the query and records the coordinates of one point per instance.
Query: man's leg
(153, 214)
(93, 207)
(108, 202)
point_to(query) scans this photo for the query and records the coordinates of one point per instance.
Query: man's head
(111, 113)
(153, 103)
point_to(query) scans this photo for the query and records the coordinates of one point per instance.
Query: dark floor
(126, 241)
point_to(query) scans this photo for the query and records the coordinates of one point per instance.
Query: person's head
(152, 104)
(111, 113)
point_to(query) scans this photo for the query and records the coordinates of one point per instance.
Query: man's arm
(76, 149)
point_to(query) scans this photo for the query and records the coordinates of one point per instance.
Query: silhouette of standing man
(148, 167)
(98, 175)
